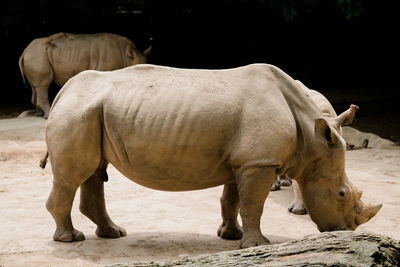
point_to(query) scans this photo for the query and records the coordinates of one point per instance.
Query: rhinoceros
(60, 56)
(185, 129)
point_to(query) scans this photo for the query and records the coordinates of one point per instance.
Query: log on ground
(341, 248)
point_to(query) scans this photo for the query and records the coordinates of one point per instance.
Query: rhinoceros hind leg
(59, 204)
(93, 205)
(38, 111)
(34, 96)
(230, 228)
(276, 185)
(75, 156)
(253, 185)
(285, 181)
(42, 100)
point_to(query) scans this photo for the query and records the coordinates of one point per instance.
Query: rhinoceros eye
(341, 193)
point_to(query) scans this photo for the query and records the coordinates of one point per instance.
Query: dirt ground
(160, 225)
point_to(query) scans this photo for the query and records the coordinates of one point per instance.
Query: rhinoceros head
(332, 201)
(135, 57)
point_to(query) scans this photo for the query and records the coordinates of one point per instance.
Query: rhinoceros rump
(61, 56)
(179, 129)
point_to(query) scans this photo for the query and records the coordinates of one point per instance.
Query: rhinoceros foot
(68, 236)
(230, 232)
(253, 239)
(111, 231)
(276, 185)
(284, 181)
(297, 209)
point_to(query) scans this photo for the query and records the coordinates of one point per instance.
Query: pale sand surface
(160, 225)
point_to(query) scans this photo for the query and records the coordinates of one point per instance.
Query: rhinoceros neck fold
(304, 112)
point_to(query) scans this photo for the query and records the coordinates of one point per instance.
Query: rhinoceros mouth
(350, 227)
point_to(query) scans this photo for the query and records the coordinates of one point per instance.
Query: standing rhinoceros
(179, 129)
(61, 56)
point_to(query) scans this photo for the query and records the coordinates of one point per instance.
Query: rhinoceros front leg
(297, 206)
(42, 100)
(230, 228)
(253, 186)
(93, 205)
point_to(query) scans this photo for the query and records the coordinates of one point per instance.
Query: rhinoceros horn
(346, 117)
(366, 212)
(146, 52)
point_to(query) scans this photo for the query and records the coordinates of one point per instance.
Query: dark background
(347, 49)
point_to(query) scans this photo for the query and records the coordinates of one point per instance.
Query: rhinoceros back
(70, 54)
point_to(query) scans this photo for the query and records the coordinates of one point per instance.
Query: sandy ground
(160, 225)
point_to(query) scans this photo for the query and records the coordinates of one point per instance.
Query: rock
(342, 248)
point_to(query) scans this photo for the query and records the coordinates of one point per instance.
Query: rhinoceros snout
(364, 213)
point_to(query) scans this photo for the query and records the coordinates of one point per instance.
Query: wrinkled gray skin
(60, 56)
(179, 129)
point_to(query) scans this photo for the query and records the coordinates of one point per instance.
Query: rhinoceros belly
(171, 140)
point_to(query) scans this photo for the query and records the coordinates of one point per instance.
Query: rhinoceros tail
(21, 68)
(43, 161)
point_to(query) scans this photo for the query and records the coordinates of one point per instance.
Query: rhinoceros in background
(60, 56)
(179, 129)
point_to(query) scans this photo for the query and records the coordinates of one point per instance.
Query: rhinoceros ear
(324, 131)
(346, 117)
(130, 52)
